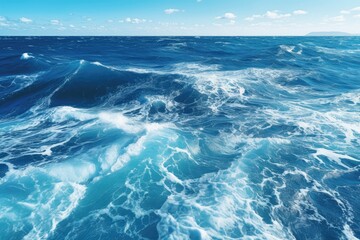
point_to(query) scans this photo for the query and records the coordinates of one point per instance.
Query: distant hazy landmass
(315, 34)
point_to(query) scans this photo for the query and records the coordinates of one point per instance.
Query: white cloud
(276, 15)
(339, 18)
(271, 15)
(228, 15)
(3, 22)
(72, 26)
(171, 11)
(299, 12)
(253, 17)
(25, 20)
(345, 12)
(355, 9)
(133, 20)
(55, 22)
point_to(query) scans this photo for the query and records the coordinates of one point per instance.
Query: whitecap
(72, 171)
(333, 156)
(289, 49)
(25, 56)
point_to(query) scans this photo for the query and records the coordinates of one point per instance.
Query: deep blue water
(179, 138)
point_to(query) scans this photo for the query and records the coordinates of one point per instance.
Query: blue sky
(177, 17)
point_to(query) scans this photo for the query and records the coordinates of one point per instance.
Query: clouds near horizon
(197, 17)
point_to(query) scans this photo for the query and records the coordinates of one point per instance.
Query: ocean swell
(179, 138)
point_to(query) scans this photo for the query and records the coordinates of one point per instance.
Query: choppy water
(179, 138)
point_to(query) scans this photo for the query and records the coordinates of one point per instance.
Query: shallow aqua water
(179, 138)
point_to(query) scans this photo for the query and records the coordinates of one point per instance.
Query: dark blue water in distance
(179, 138)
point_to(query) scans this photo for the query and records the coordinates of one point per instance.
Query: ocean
(179, 138)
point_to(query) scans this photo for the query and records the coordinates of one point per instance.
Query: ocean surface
(179, 138)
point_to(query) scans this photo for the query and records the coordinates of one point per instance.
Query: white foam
(348, 232)
(289, 49)
(132, 150)
(307, 127)
(143, 70)
(168, 101)
(349, 125)
(333, 156)
(72, 171)
(50, 213)
(109, 157)
(195, 67)
(229, 209)
(223, 87)
(48, 202)
(353, 97)
(47, 150)
(120, 121)
(154, 127)
(25, 56)
(65, 113)
(105, 66)
(116, 119)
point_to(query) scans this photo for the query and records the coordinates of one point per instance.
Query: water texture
(179, 138)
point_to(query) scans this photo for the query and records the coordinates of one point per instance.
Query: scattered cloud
(55, 22)
(356, 9)
(270, 15)
(171, 24)
(25, 20)
(275, 14)
(227, 16)
(300, 12)
(349, 11)
(3, 22)
(171, 11)
(345, 12)
(253, 17)
(353, 11)
(134, 20)
(337, 19)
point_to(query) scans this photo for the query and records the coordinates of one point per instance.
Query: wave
(167, 138)
(25, 56)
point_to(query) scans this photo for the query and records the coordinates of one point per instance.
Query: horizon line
(345, 35)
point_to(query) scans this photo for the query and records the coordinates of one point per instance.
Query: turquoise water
(179, 138)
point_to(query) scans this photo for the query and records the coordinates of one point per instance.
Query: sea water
(179, 138)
